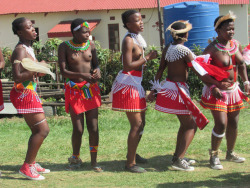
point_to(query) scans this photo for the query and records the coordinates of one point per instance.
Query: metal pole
(160, 24)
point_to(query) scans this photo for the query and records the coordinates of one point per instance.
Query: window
(114, 39)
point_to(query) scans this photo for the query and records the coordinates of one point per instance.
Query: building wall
(45, 23)
(151, 35)
(241, 22)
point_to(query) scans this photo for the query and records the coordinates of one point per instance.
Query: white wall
(45, 23)
(241, 22)
(151, 35)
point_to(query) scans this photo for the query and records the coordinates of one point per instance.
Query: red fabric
(217, 72)
(26, 101)
(199, 118)
(123, 101)
(213, 103)
(234, 66)
(79, 104)
(1, 97)
(170, 105)
(134, 73)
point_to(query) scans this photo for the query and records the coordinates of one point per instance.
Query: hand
(88, 77)
(152, 55)
(224, 85)
(247, 89)
(216, 93)
(40, 74)
(151, 96)
(96, 74)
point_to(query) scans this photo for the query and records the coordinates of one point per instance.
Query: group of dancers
(218, 68)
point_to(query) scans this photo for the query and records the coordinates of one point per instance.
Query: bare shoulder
(63, 45)
(19, 53)
(210, 48)
(127, 40)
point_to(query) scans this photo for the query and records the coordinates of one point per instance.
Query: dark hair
(75, 23)
(125, 16)
(17, 24)
(226, 21)
(179, 26)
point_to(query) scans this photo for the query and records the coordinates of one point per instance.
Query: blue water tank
(200, 14)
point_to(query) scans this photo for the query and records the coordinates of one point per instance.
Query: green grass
(157, 145)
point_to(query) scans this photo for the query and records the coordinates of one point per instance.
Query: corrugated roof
(46, 6)
(63, 28)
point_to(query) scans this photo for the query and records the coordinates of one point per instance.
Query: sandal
(97, 169)
(135, 169)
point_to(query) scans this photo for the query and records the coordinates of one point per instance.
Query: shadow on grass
(225, 180)
(155, 164)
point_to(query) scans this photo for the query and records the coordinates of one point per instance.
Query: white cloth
(138, 39)
(128, 81)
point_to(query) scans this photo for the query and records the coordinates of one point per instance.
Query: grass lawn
(157, 145)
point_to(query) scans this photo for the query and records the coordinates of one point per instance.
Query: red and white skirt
(1, 97)
(169, 99)
(127, 92)
(82, 97)
(232, 100)
(26, 101)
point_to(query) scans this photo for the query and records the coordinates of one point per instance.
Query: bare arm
(243, 72)
(158, 76)
(2, 62)
(19, 73)
(127, 55)
(162, 67)
(67, 73)
(95, 64)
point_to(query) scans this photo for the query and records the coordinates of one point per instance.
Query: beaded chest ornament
(230, 51)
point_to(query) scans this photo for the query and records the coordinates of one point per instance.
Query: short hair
(75, 23)
(222, 23)
(125, 16)
(17, 24)
(179, 26)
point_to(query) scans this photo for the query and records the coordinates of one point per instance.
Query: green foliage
(7, 71)
(195, 84)
(48, 51)
(157, 145)
(110, 64)
(196, 49)
(151, 68)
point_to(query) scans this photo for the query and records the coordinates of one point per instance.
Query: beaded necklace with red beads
(230, 51)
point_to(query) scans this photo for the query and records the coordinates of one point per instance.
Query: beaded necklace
(29, 50)
(230, 51)
(78, 47)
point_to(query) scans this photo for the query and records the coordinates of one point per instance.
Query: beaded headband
(180, 31)
(229, 16)
(84, 24)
